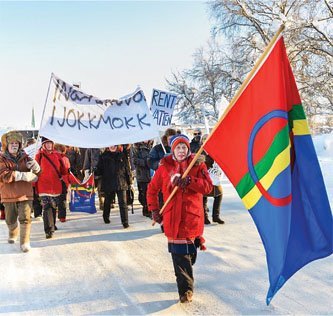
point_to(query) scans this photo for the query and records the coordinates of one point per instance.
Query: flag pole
(41, 121)
(231, 104)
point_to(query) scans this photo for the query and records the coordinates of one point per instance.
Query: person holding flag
(183, 217)
(273, 166)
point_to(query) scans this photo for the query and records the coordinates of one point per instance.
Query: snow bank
(324, 146)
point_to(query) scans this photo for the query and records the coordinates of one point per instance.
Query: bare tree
(241, 31)
(308, 35)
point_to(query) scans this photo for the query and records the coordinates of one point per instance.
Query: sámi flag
(263, 145)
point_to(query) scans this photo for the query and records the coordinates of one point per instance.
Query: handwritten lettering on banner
(162, 106)
(75, 118)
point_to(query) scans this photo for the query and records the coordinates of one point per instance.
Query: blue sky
(110, 47)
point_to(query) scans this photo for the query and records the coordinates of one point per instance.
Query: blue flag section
(311, 225)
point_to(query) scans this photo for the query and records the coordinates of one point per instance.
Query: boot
(124, 215)
(207, 221)
(13, 233)
(145, 211)
(218, 220)
(216, 209)
(187, 297)
(26, 247)
(101, 202)
(206, 210)
(25, 233)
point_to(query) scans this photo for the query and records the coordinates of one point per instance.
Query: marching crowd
(39, 186)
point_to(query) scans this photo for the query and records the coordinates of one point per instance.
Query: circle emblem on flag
(277, 201)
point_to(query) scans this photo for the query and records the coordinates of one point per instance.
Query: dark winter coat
(156, 154)
(195, 145)
(75, 160)
(91, 159)
(183, 217)
(140, 155)
(115, 171)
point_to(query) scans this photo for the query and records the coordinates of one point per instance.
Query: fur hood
(7, 137)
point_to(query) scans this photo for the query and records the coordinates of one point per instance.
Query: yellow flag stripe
(301, 127)
(281, 162)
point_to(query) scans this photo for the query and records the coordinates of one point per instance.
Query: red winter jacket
(183, 217)
(67, 165)
(49, 182)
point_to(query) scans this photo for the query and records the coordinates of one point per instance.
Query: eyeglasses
(196, 134)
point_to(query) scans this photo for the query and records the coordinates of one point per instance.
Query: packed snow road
(93, 268)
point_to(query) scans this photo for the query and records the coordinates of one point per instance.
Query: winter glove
(33, 166)
(25, 176)
(157, 217)
(199, 242)
(176, 180)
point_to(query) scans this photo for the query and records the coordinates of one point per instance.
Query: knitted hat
(45, 140)
(179, 138)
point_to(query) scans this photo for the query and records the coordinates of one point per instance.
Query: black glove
(157, 217)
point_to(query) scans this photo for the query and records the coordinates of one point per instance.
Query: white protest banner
(161, 106)
(74, 118)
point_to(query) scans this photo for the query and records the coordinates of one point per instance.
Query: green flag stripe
(280, 142)
(297, 112)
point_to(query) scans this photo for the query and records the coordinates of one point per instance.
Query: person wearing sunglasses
(196, 140)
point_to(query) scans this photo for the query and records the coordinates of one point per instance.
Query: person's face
(13, 147)
(113, 149)
(48, 146)
(197, 136)
(181, 151)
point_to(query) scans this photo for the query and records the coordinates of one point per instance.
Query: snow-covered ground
(94, 268)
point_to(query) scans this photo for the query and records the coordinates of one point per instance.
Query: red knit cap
(181, 138)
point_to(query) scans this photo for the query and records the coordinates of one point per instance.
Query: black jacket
(114, 169)
(140, 155)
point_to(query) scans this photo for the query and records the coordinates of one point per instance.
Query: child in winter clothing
(17, 172)
(183, 217)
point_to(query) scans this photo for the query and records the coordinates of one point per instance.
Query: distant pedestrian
(217, 192)
(116, 178)
(196, 140)
(62, 202)
(140, 154)
(49, 185)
